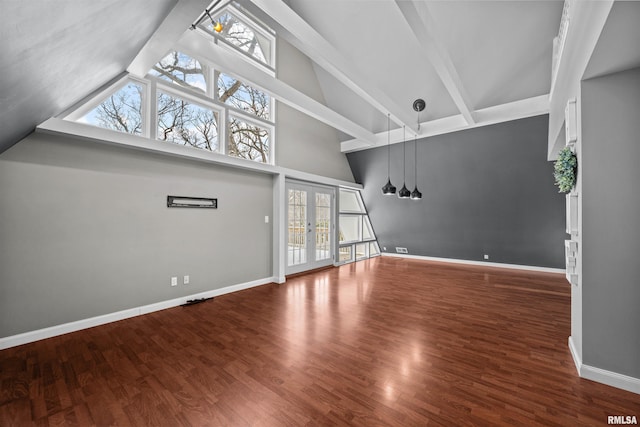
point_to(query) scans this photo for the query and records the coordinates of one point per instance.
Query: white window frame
(255, 26)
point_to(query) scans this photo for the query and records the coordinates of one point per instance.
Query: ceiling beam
(231, 63)
(422, 24)
(183, 14)
(306, 39)
(521, 109)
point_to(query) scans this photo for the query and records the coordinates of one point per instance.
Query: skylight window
(182, 70)
(242, 96)
(185, 123)
(242, 33)
(122, 111)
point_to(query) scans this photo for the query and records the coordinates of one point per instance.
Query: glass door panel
(323, 226)
(310, 227)
(297, 227)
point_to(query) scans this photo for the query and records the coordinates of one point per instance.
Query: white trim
(575, 355)
(522, 109)
(53, 331)
(609, 378)
(612, 379)
(82, 131)
(481, 263)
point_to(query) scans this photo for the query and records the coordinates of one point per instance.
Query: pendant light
(418, 105)
(404, 193)
(388, 188)
(416, 194)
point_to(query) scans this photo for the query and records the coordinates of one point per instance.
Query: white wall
(85, 230)
(303, 143)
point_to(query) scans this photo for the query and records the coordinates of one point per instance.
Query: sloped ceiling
(55, 53)
(371, 57)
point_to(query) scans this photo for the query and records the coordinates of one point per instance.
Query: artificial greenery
(564, 170)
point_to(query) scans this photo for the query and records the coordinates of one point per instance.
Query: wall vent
(401, 250)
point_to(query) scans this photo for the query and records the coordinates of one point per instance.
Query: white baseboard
(609, 378)
(575, 355)
(40, 334)
(481, 263)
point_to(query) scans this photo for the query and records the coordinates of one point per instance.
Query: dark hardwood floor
(387, 341)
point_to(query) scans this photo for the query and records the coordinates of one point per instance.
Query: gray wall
(303, 143)
(487, 190)
(611, 214)
(85, 231)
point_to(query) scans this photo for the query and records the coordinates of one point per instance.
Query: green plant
(564, 170)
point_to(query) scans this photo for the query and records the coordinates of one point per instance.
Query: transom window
(182, 70)
(122, 111)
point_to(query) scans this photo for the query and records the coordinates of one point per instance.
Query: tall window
(356, 237)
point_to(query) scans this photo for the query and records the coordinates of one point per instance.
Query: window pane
(244, 97)
(350, 226)
(367, 233)
(350, 201)
(323, 226)
(345, 253)
(374, 249)
(187, 124)
(182, 70)
(122, 111)
(248, 141)
(362, 251)
(297, 227)
(241, 35)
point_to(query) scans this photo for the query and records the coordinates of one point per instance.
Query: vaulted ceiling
(473, 62)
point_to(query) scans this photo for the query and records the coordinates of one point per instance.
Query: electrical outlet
(174, 281)
(186, 280)
(486, 256)
(384, 248)
(266, 219)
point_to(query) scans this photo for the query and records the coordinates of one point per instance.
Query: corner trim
(602, 376)
(575, 355)
(53, 331)
(480, 263)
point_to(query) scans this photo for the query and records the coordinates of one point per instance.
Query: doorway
(310, 226)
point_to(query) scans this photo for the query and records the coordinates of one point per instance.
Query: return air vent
(401, 250)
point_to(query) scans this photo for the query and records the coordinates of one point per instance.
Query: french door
(310, 226)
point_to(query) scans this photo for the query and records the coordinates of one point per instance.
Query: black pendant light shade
(404, 192)
(388, 189)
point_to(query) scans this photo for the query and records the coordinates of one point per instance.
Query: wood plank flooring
(387, 341)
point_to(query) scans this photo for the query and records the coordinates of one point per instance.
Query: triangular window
(122, 111)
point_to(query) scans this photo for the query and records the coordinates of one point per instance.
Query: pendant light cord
(404, 155)
(388, 146)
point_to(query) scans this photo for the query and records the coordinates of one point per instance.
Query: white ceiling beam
(421, 23)
(524, 108)
(183, 14)
(231, 63)
(304, 37)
